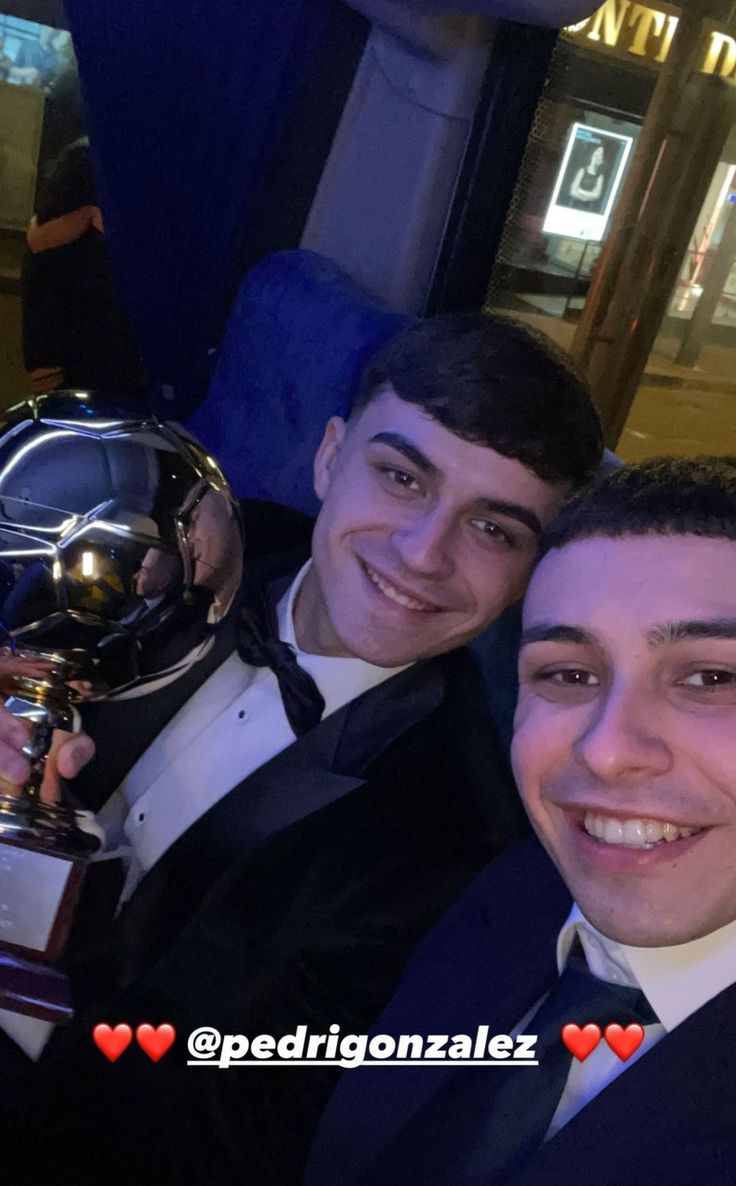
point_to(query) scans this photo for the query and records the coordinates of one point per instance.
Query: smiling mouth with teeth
(395, 594)
(634, 833)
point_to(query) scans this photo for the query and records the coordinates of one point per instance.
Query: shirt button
(242, 715)
(140, 817)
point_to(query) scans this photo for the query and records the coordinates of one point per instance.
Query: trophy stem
(36, 748)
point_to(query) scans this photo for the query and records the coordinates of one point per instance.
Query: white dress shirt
(232, 725)
(677, 981)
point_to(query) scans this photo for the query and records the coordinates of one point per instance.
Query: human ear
(327, 455)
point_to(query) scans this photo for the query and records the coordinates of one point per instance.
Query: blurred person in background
(75, 334)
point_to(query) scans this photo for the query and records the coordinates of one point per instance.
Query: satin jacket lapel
(480, 965)
(296, 782)
(318, 768)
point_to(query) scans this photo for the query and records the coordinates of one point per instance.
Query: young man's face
(422, 540)
(625, 744)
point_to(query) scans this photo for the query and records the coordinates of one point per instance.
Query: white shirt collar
(677, 981)
(338, 679)
(218, 609)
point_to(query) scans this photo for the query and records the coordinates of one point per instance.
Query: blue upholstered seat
(297, 338)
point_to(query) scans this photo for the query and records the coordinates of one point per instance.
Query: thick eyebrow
(549, 632)
(668, 632)
(657, 636)
(499, 506)
(405, 447)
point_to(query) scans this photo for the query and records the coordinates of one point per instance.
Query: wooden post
(688, 120)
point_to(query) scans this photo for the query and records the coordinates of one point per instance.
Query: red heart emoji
(624, 1042)
(112, 1042)
(155, 1042)
(581, 1042)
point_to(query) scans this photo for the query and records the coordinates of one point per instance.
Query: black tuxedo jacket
(294, 900)
(668, 1119)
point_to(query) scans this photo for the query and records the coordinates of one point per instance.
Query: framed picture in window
(587, 183)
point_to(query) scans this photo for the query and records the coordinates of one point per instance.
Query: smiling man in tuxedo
(624, 753)
(294, 832)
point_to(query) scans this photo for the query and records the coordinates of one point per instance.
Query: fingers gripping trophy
(96, 561)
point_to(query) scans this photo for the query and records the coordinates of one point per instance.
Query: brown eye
(494, 532)
(711, 678)
(398, 477)
(564, 678)
(575, 679)
(401, 478)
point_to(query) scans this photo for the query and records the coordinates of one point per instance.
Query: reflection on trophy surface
(214, 539)
(158, 574)
(158, 580)
(116, 532)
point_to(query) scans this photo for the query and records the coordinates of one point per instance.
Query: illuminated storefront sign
(640, 32)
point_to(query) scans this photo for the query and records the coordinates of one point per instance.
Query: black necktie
(503, 1115)
(303, 701)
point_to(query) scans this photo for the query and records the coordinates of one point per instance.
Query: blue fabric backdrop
(185, 103)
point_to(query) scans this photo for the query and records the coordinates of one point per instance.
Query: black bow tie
(256, 645)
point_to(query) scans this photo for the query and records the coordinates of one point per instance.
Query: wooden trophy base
(34, 989)
(39, 891)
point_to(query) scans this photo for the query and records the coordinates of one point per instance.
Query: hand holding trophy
(95, 565)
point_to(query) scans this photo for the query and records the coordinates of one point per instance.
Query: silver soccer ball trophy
(98, 556)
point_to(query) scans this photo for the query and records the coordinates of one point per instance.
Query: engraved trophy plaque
(98, 576)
